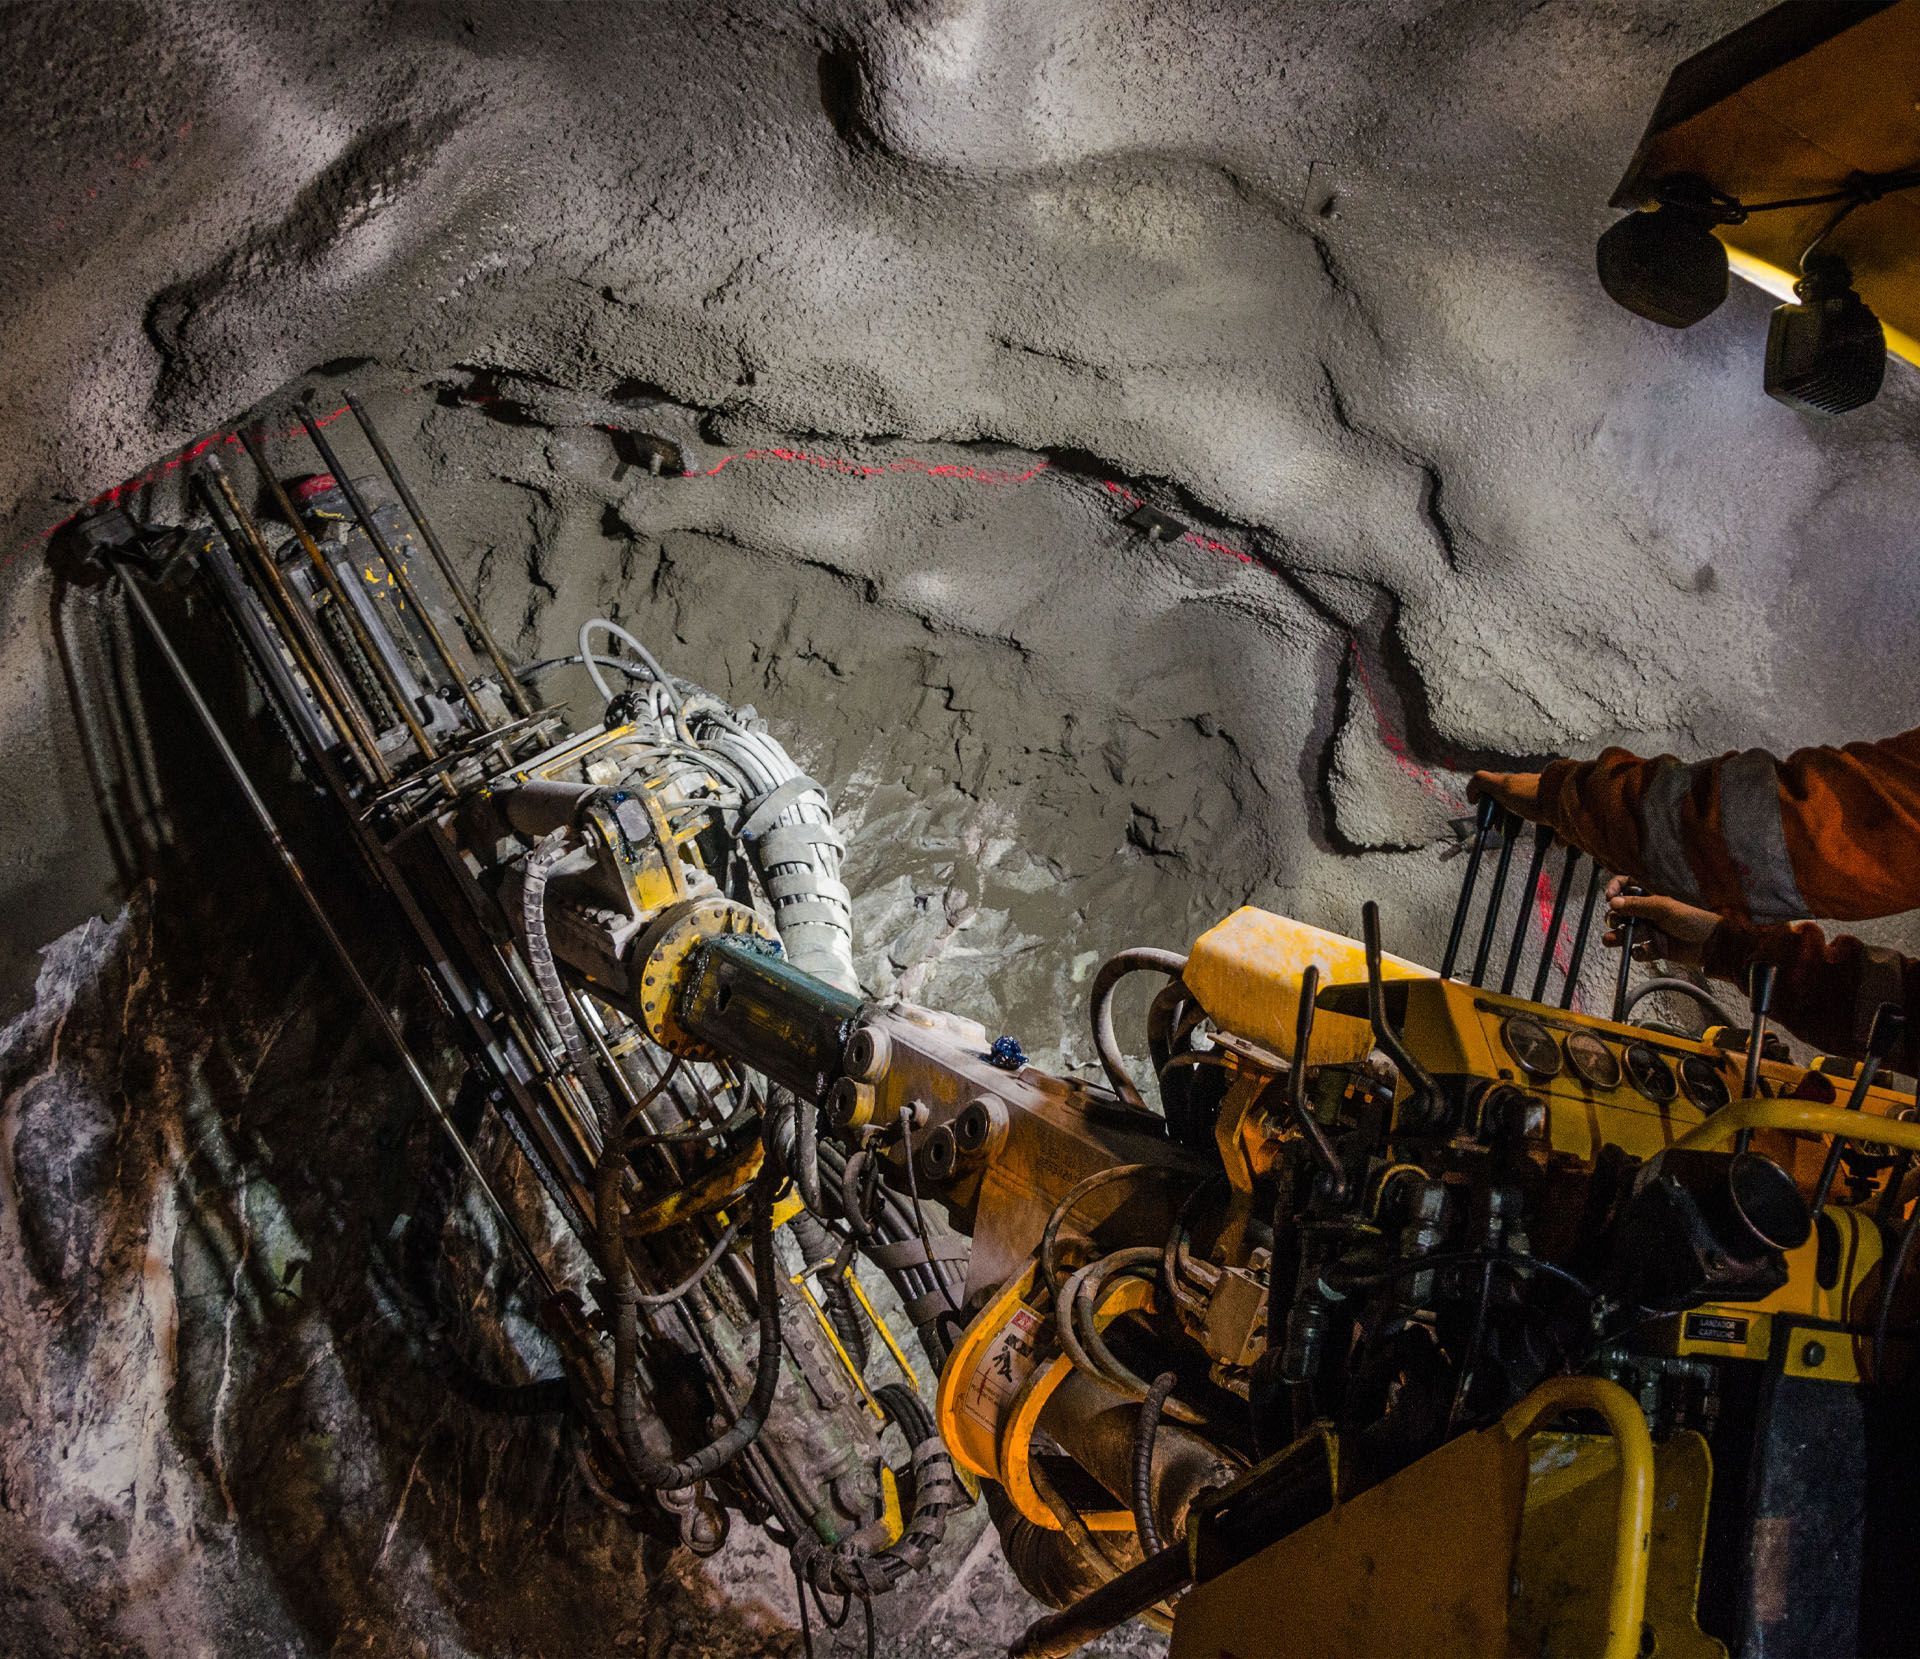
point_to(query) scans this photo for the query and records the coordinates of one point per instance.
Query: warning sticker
(1007, 1363)
(1715, 1327)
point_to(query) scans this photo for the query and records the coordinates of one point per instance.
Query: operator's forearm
(1826, 991)
(1825, 832)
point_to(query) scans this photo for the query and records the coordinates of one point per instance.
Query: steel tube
(1542, 838)
(1578, 956)
(455, 587)
(396, 568)
(296, 626)
(1482, 823)
(1561, 894)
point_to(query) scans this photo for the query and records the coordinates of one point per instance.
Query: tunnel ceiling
(1317, 279)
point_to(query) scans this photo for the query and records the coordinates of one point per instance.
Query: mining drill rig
(1403, 1312)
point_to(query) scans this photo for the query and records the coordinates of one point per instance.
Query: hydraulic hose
(663, 1473)
(600, 624)
(1681, 988)
(1105, 1043)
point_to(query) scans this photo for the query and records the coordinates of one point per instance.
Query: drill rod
(1482, 824)
(396, 566)
(263, 816)
(330, 578)
(293, 621)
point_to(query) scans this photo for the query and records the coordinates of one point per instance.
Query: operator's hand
(1667, 929)
(1518, 792)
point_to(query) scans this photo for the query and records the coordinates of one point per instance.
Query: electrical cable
(660, 1298)
(1470, 1355)
(615, 1267)
(920, 1219)
(1345, 1283)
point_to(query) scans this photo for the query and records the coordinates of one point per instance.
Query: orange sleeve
(1825, 832)
(1827, 990)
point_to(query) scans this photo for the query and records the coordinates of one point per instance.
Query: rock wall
(923, 300)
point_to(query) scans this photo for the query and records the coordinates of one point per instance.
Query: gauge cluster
(1651, 1069)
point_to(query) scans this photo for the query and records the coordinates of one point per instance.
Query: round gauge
(1703, 1082)
(1592, 1061)
(1532, 1045)
(1650, 1074)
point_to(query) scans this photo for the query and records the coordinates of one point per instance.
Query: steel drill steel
(382, 670)
(263, 816)
(396, 566)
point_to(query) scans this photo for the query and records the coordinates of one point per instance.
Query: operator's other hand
(1667, 929)
(1518, 792)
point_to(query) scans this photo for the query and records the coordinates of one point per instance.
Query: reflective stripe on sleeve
(1756, 843)
(1663, 848)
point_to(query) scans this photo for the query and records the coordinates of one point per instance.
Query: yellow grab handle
(1633, 1512)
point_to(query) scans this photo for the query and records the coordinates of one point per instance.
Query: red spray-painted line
(878, 469)
(173, 463)
(1394, 743)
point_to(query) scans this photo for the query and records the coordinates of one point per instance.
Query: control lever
(1510, 833)
(1588, 906)
(1426, 1094)
(1889, 1026)
(1482, 827)
(1561, 894)
(1628, 927)
(1759, 1001)
(1333, 1178)
(1542, 839)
